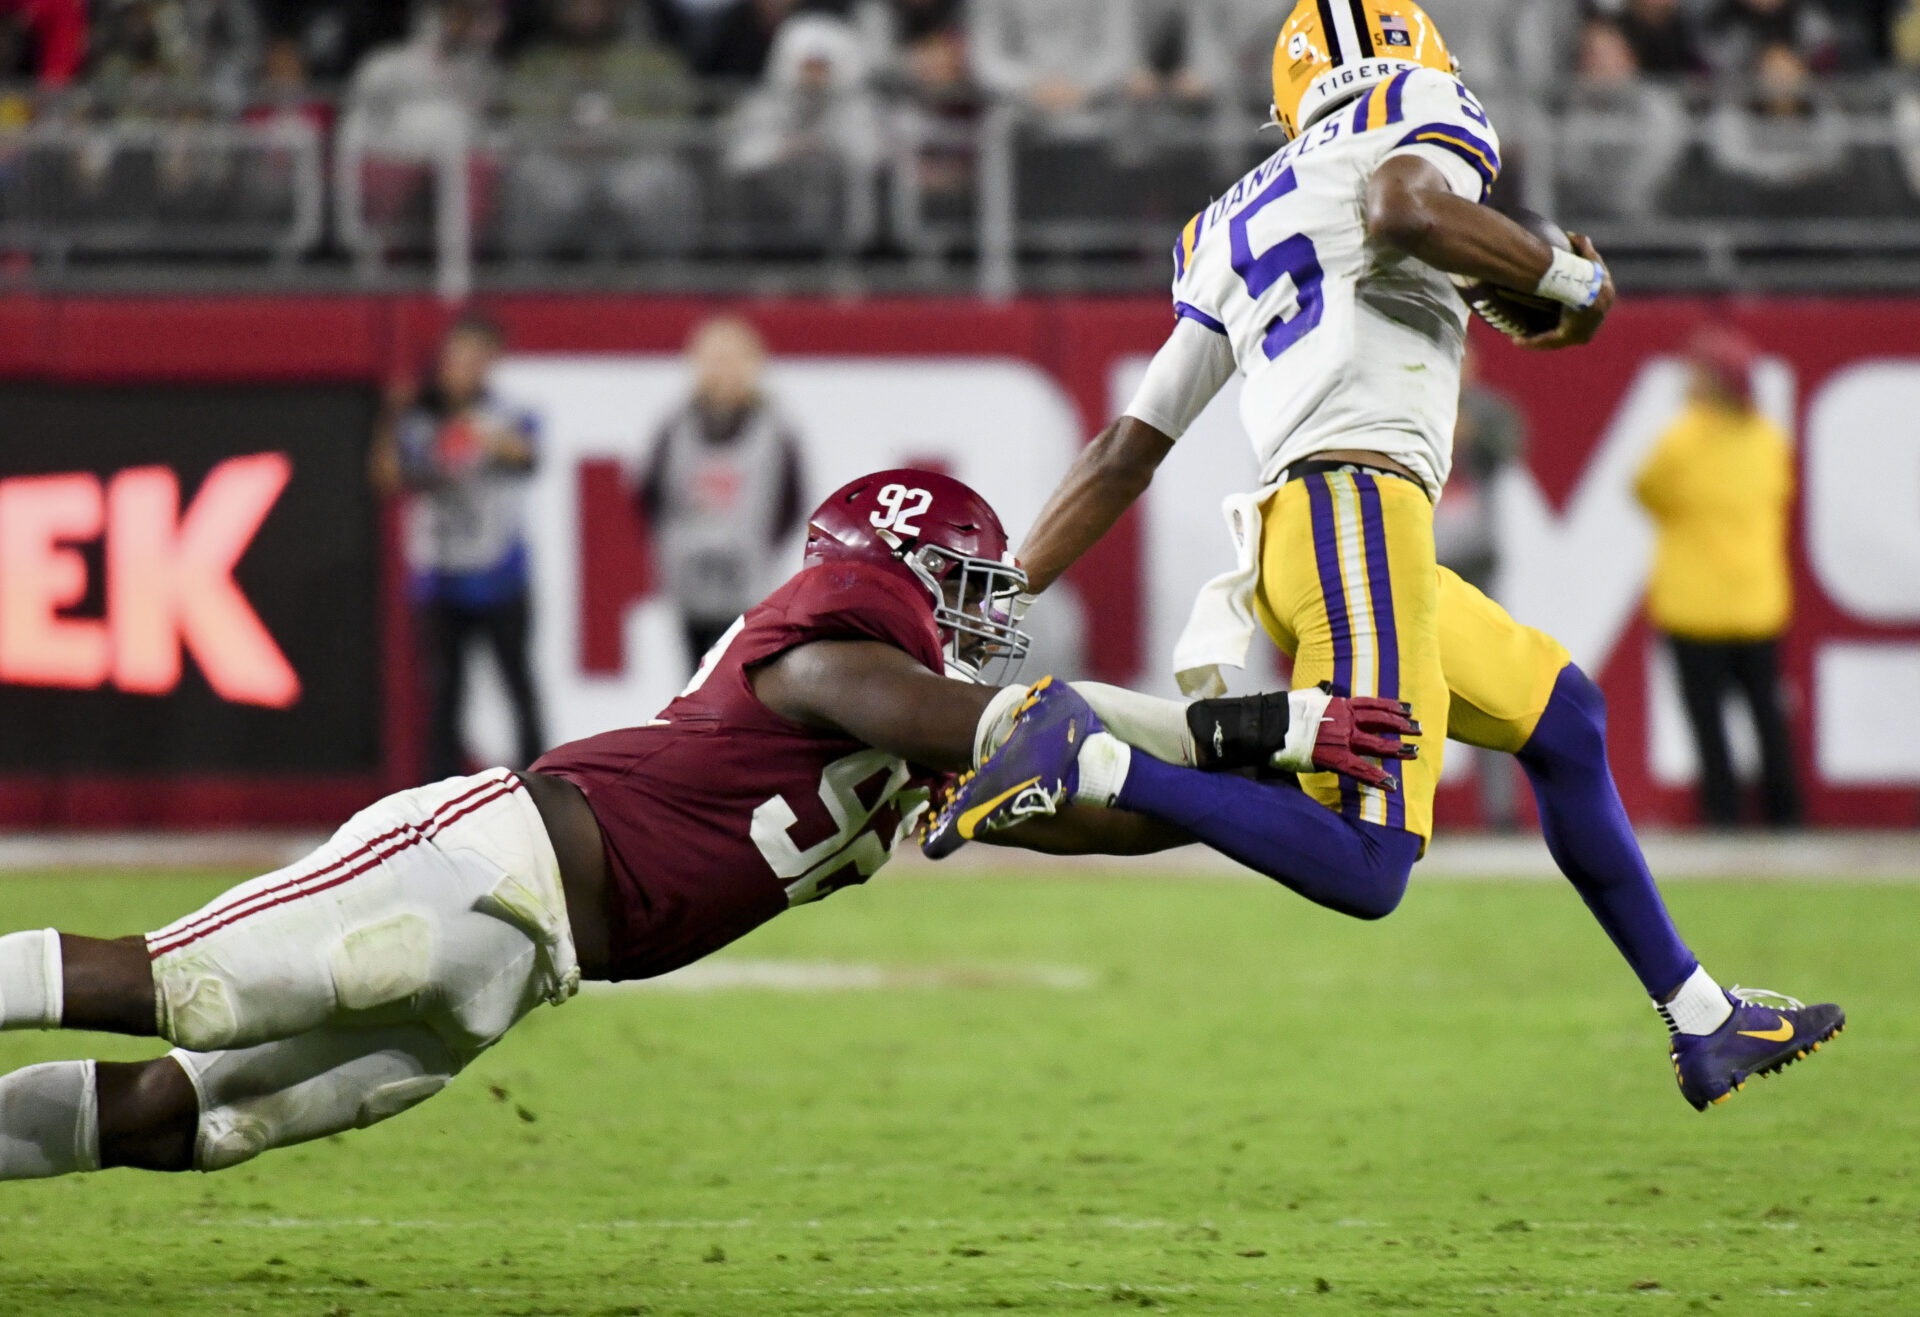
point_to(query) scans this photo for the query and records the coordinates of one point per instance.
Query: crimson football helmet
(939, 534)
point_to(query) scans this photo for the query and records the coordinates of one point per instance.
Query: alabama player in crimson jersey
(357, 982)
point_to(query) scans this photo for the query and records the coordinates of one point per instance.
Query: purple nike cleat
(1030, 775)
(1766, 1032)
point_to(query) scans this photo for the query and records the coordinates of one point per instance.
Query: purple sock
(1591, 838)
(1359, 869)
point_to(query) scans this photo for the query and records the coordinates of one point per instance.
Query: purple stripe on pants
(1326, 558)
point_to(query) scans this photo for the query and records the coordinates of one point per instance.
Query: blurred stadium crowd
(1716, 139)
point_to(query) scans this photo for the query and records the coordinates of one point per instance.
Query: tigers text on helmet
(940, 534)
(1330, 49)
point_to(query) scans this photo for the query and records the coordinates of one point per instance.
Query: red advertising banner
(1019, 384)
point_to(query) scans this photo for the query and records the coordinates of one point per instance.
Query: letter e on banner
(41, 517)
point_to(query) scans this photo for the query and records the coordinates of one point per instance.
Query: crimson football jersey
(720, 814)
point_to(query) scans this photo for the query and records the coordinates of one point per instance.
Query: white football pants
(355, 983)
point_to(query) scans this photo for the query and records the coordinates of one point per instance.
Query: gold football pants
(1349, 588)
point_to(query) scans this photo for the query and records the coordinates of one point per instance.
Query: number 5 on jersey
(1288, 269)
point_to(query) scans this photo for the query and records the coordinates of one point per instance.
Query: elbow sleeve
(1192, 367)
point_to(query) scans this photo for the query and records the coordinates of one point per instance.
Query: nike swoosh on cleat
(970, 819)
(1779, 1035)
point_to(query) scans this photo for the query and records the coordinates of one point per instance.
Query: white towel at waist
(1221, 627)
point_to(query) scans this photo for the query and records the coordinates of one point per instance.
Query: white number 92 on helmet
(1330, 49)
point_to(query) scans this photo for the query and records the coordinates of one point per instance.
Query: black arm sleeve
(1246, 732)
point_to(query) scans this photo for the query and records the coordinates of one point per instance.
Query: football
(1515, 314)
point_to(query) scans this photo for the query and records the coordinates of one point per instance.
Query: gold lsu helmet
(1319, 57)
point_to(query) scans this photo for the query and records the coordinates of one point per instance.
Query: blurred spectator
(293, 115)
(1906, 137)
(919, 45)
(1489, 436)
(1861, 33)
(741, 39)
(810, 137)
(333, 35)
(1621, 134)
(1663, 42)
(918, 49)
(1787, 135)
(284, 91)
(688, 24)
(465, 456)
(155, 50)
(175, 63)
(906, 22)
(415, 104)
(44, 40)
(723, 485)
(1718, 486)
(408, 96)
(1480, 35)
(583, 86)
(1740, 32)
(1903, 35)
(1184, 50)
(1056, 55)
(1252, 29)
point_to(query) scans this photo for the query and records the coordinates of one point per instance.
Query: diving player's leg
(440, 906)
(416, 900)
(62, 1116)
(250, 1101)
(54, 980)
(148, 1114)
(207, 1111)
(250, 966)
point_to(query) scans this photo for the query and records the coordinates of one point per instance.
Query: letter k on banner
(170, 581)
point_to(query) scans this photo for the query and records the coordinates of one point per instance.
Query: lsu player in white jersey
(1328, 278)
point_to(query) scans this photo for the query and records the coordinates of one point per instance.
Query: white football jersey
(1345, 345)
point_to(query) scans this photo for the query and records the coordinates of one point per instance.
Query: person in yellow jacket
(1718, 487)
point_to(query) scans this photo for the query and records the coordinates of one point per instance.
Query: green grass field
(1080, 1095)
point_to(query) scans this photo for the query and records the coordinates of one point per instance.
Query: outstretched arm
(1412, 207)
(1110, 473)
(878, 694)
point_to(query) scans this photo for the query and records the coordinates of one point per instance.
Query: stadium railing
(1682, 184)
(161, 190)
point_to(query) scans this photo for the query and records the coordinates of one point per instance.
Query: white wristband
(1305, 710)
(1571, 280)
